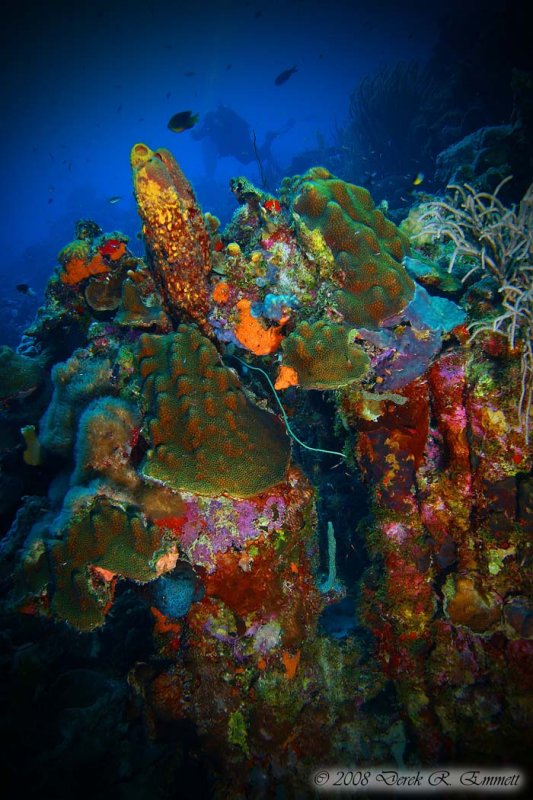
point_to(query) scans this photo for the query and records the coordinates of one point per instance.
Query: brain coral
(371, 283)
(323, 356)
(174, 232)
(206, 436)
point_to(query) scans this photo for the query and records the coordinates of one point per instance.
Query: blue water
(83, 81)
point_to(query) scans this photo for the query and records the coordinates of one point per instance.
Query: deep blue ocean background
(83, 81)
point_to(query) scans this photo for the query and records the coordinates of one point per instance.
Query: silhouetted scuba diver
(224, 133)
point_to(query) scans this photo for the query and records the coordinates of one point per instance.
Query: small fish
(418, 179)
(25, 288)
(272, 205)
(115, 199)
(182, 121)
(189, 74)
(284, 76)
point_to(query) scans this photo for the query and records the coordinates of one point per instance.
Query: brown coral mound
(323, 356)
(174, 232)
(206, 436)
(367, 247)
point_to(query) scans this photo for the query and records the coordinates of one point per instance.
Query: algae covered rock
(19, 375)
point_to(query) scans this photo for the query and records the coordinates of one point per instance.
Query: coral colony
(173, 477)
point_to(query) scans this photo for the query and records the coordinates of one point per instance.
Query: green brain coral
(205, 435)
(324, 356)
(370, 281)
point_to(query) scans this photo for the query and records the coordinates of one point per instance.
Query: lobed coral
(324, 355)
(371, 283)
(205, 435)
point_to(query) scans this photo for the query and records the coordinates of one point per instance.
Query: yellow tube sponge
(174, 231)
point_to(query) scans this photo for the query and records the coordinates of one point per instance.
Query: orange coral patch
(118, 252)
(290, 662)
(220, 293)
(77, 269)
(106, 574)
(164, 624)
(287, 376)
(253, 335)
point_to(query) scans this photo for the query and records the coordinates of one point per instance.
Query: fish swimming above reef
(182, 121)
(284, 76)
(225, 133)
(115, 199)
(25, 288)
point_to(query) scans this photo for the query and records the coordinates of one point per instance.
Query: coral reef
(262, 611)
(436, 526)
(183, 378)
